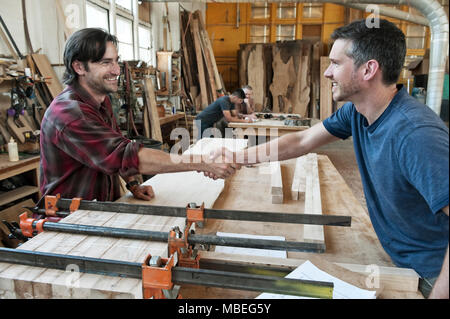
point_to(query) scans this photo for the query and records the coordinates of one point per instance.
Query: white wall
(47, 30)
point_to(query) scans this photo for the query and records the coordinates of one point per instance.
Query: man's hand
(144, 192)
(222, 164)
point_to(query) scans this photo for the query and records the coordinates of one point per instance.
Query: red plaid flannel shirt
(82, 149)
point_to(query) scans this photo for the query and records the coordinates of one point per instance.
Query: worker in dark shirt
(83, 152)
(224, 106)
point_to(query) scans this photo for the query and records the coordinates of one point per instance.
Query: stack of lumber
(283, 75)
(201, 79)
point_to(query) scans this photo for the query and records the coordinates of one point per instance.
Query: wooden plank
(46, 70)
(17, 193)
(208, 65)
(21, 281)
(256, 74)
(201, 73)
(299, 181)
(209, 52)
(326, 96)
(150, 101)
(276, 183)
(313, 204)
(282, 73)
(390, 278)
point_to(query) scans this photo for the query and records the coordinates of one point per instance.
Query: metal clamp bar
(179, 275)
(171, 211)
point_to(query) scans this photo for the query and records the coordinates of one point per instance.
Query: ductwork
(390, 12)
(437, 21)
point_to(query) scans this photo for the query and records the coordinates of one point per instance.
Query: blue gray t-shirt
(214, 112)
(403, 158)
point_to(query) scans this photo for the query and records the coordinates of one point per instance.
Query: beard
(102, 86)
(344, 91)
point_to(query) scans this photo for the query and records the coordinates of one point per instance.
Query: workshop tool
(56, 204)
(30, 227)
(160, 276)
(16, 119)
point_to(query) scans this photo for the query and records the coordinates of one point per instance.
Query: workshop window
(285, 32)
(312, 10)
(287, 11)
(144, 43)
(260, 10)
(96, 16)
(259, 34)
(124, 29)
(125, 4)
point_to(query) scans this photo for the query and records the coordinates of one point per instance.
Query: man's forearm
(153, 161)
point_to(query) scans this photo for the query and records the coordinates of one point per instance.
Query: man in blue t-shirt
(224, 106)
(401, 146)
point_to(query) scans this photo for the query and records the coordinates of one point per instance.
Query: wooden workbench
(248, 190)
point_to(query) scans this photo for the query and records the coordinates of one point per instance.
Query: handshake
(221, 164)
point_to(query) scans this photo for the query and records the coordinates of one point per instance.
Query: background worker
(401, 146)
(247, 107)
(83, 151)
(222, 108)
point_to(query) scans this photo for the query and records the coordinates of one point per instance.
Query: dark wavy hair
(85, 45)
(385, 44)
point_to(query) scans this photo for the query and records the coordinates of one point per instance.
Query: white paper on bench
(308, 271)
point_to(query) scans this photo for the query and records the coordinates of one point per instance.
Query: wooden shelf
(26, 166)
(17, 193)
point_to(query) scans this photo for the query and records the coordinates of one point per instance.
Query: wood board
(248, 190)
(313, 201)
(298, 187)
(18, 281)
(152, 112)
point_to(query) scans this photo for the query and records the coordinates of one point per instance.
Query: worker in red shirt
(83, 152)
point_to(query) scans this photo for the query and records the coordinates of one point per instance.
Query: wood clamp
(178, 241)
(51, 205)
(157, 278)
(29, 226)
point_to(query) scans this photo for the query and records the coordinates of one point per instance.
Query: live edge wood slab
(351, 248)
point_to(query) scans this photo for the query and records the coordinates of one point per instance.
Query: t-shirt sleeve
(226, 106)
(424, 158)
(339, 123)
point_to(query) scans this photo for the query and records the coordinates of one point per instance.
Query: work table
(248, 189)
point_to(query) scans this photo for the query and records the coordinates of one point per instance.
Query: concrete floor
(342, 156)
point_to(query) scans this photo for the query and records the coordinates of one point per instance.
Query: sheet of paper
(341, 290)
(251, 251)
